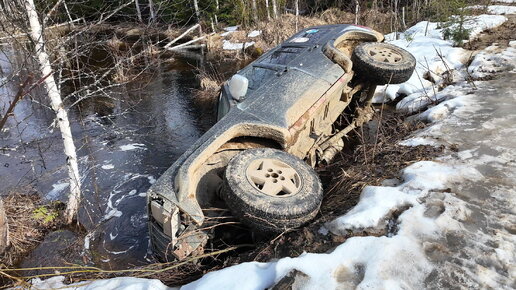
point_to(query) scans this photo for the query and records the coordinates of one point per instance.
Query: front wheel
(383, 63)
(271, 190)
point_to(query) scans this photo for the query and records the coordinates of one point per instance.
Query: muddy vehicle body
(275, 123)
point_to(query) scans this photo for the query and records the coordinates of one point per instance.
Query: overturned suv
(275, 123)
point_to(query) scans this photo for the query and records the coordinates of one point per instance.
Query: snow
(107, 166)
(496, 9)
(228, 45)
(254, 33)
(231, 28)
(56, 190)
(378, 202)
(127, 283)
(435, 57)
(416, 141)
(133, 146)
(492, 60)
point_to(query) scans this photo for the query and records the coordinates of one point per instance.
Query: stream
(124, 142)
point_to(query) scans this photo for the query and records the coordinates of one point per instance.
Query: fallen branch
(188, 42)
(181, 36)
(17, 98)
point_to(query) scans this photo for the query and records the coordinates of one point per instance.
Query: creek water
(125, 138)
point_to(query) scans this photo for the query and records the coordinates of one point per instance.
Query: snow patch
(437, 61)
(56, 190)
(228, 45)
(496, 9)
(107, 166)
(127, 283)
(493, 60)
(133, 146)
(254, 33)
(417, 141)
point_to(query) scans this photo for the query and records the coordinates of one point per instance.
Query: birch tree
(274, 9)
(152, 12)
(138, 11)
(4, 229)
(268, 10)
(255, 11)
(36, 34)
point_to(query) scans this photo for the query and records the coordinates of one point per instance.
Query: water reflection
(125, 141)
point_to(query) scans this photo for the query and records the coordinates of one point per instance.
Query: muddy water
(125, 140)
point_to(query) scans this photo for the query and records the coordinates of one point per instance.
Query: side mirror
(238, 85)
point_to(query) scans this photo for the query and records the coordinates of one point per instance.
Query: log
(188, 43)
(181, 36)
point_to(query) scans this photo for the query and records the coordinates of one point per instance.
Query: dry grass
(25, 230)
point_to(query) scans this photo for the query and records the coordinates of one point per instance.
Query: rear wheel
(383, 63)
(271, 190)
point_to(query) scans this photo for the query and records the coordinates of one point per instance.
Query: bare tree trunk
(403, 18)
(296, 4)
(274, 9)
(255, 11)
(36, 34)
(152, 12)
(196, 7)
(396, 26)
(357, 10)
(197, 14)
(138, 11)
(216, 11)
(4, 229)
(268, 10)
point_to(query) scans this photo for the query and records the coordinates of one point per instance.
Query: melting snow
(228, 45)
(254, 33)
(56, 190)
(133, 146)
(496, 9)
(108, 166)
(434, 57)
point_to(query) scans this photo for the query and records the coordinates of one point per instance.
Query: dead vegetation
(29, 220)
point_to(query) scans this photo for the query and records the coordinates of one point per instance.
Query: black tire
(397, 67)
(271, 213)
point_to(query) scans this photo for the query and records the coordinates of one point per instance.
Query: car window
(223, 107)
(283, 56)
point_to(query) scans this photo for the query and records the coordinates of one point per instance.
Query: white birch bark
(4, 229)
(36, 34)
(196, 7)
(152, 12)
(268, 10)
(274, 9)
(216, 12)
(138, 11)
(297, 12)
(255, 11)
(357, 10)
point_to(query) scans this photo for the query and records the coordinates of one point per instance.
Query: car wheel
(271, 190)
(383, 63)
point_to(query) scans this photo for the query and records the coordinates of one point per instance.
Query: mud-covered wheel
(271, 190)
(383, 63)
